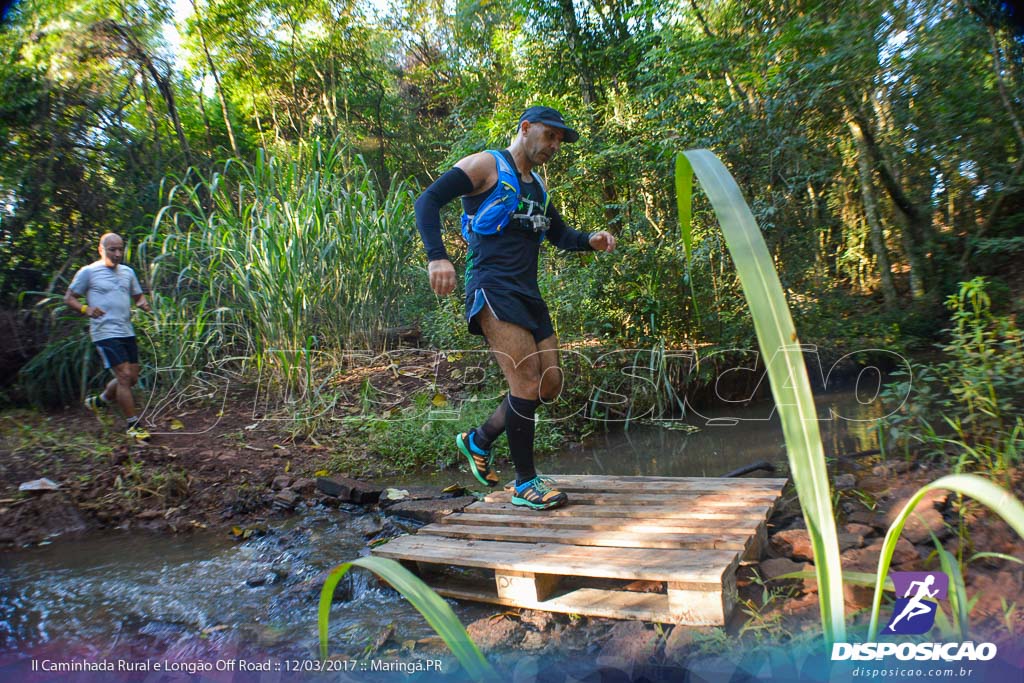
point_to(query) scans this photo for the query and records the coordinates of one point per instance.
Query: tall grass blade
(997, 499)
(787, 373)
(433, 608)
(684, 203)
(957, 589)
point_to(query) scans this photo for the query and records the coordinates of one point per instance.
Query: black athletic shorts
(527, 312)
(117, 350)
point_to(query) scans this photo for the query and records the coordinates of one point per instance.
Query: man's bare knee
(123, 375)
(525, 385)
(551, 384)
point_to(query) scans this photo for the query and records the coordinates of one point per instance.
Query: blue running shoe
(537, 495)
(479, 459)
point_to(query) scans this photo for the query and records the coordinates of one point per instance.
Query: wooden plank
(524, 586)
(745, 487)
(603, 498)
(694, 566)
(612, 539)
(674, 511)
(773, 481)
(694, 605)
(646, 525)
(757, 542)
(589, 601)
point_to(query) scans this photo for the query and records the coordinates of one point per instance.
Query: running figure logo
(914, 612)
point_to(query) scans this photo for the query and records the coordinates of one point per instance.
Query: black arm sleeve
(451, 184)
(564, 237)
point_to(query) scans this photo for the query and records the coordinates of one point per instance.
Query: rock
(367, 525)
(39, 485)
(303, 485)
(793, 543)
(867, 518)
(280, 482)
(632, 642)
(901, 466)
(286, 500)
(862, 530)
(844, 482)
(924, 520)
(533, 641)
(857, 597)
(491, 634)
(429, 510)
(643, 586)
(989, 589)
(538, 619)
(805, 604)
(392, 496)
(796, 543)
(678, 644)
(848, 540)
(349, 489)
(42, 516)
(774, 568)
(866, 559)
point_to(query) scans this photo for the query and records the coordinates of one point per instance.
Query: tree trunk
(911, 232)
(137, 52)
(216, 81)
(867, 192)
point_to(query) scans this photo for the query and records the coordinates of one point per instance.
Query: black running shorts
(527, 312)
(117, 350)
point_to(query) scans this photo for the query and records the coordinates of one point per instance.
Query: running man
(506, 215)
(109, 288)
(915, 607)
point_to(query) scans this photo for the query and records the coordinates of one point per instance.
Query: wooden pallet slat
(667, 510)
(687, 533)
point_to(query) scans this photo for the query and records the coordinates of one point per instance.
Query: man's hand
(442, 277)
(602, 241)
(94, 312)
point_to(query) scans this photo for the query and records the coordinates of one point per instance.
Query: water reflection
(725, 440)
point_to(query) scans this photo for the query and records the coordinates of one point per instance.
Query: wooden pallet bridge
(680, 537)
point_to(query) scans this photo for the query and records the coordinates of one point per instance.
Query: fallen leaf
(321, 473)
(439, 400)
(177, 424)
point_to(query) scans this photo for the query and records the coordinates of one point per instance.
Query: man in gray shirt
(109, 287)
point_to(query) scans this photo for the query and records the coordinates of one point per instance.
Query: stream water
(189, 596)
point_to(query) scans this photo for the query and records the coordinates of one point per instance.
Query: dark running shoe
(96, 404)
(479, 459)
(537, 495)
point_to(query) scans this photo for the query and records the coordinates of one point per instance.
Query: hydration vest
(495, 212)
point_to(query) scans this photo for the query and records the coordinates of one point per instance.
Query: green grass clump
(422, 435)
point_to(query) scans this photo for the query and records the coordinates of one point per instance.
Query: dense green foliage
(98, 107)
(969, 405)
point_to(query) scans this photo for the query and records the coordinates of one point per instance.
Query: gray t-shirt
(112, 289)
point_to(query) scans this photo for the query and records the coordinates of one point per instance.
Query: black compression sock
(490, 430)
(520, 427)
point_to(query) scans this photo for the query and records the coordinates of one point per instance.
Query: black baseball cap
(549, 117)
